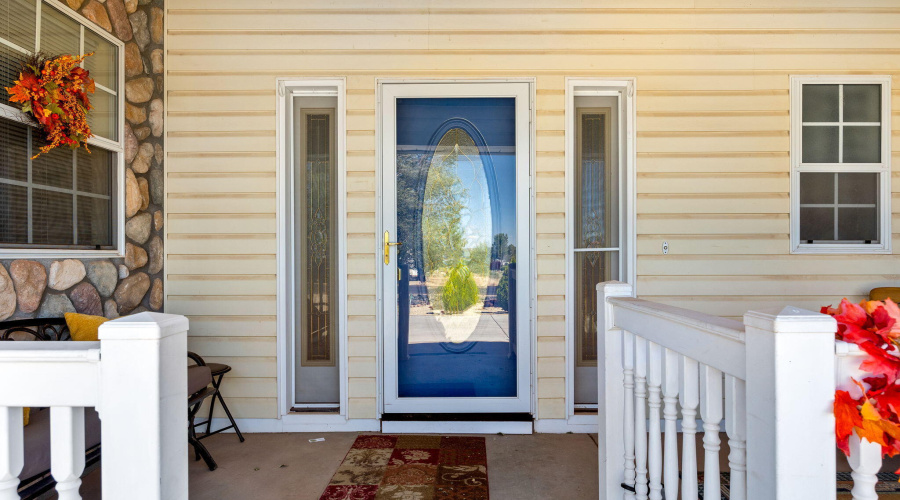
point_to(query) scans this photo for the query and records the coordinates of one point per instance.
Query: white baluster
(670, 412)
(628, 370)
(689, 397)
(12, 451)
(655, 446)
(865, 462)
(736, 428)
(640, 418)
(711, 412)
(67, 450)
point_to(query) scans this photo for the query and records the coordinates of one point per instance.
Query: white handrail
(136, 378)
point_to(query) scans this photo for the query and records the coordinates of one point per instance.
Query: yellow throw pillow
(26, 413)
(84, 326)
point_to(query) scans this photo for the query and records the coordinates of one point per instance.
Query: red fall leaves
(873, 408)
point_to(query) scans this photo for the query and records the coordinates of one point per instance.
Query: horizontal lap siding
(713, 168)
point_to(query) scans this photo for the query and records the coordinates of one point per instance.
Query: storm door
(456, 248)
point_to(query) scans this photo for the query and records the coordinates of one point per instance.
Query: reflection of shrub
(503, 289)
(460, 291)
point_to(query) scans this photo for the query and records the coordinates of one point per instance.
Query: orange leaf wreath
(54, 90)
(875, 414)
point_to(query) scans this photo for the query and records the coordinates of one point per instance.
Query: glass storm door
(456, 253)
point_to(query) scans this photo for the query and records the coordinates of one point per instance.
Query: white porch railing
(775, 374)
(136, 378)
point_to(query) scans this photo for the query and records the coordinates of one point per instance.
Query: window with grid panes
(65, 199)
(841, 163)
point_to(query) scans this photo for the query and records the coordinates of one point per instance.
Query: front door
(456, 252)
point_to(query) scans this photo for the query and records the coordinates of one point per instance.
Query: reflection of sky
(419, 118)
(476, 219)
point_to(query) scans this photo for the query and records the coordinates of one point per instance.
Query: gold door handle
(387, 247)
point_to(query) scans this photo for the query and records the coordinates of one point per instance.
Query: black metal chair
(218, 372)
(200, 387)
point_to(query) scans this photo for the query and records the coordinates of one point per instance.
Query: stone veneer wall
(112, 287)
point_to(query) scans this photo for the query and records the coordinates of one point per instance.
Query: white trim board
(299, 423)
(286, 89)
(625, 90)
(577, 424)
(394, 427)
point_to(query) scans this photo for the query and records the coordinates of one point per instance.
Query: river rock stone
(7, 294)
(155, 251)
(135, 256)
(123, 271)
(141, 163)
(55, 306)
(139, 28)
(131, 144)
(138, 227)
(134, 63)
(158, 220)
(156, 186)
(139, 90)
(119, 18)
(132, 194)
(145, 193)
(131, 291)
(65, 273)
(30, 279)
(130, 6)
(103, 275)
(95, 12)
(111, 309)
(142, 133)
(156, 117)
(156, 295)
(135, 114)
(74, 4)
(158, 154)
(156, 25)
(156, 61)
(86, 299)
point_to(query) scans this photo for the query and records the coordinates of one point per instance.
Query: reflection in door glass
(456, 220)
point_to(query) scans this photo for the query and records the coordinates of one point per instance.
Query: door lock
(387, 247)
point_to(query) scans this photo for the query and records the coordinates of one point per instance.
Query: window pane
(858, 224)
(53, 168)
(820, 103)
(13, 214)
(862, 103)
(820, 144)
(13, 150)
(52, 223)
(94, 170)
(17, 22)
(102, 116)
(590, 268)
(862, 144)
(10, 65)
(60, 34)
(817, 188)
(93, 221)
(858, 188)
(102, 65)
(597, 181)
(816, 224)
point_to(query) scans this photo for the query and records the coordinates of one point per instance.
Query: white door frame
(624, 89)
(388, 92)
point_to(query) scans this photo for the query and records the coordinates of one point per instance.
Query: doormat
(411, 467)
(887, 486)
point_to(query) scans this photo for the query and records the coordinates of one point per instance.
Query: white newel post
(144, 407)
(12, 451)
(611, 393)
(790, 393)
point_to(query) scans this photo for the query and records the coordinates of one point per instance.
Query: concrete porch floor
(275, 466)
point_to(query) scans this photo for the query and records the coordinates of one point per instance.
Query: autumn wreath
(54, 90)
(873, 411)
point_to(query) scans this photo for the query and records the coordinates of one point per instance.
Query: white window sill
(838, 249)
(56, 253)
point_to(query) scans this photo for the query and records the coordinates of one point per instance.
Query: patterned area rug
(887, 486)
(411, 467)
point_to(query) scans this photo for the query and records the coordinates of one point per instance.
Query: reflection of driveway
(428, 330)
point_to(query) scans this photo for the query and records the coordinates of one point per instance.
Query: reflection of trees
(445, 200)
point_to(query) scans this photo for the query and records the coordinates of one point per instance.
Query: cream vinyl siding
(713, 79)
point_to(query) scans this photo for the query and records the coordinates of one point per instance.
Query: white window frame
(883, 168)
(624, 89)
(117, 147)
(286, 361)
